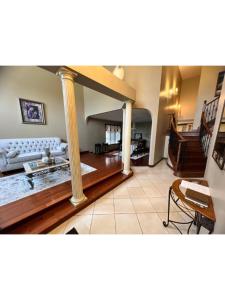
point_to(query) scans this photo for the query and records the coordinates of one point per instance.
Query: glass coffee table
(38, 167)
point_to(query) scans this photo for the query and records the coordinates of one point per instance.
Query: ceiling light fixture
(119, 72)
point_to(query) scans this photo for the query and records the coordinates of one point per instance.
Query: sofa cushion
(24, 157)
(13, 153)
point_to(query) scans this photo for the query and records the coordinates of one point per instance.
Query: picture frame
(32, 112)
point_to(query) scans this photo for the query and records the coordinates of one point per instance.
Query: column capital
(128, 101)
(66, 74)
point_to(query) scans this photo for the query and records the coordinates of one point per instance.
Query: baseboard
(84, 152)
(152, 166)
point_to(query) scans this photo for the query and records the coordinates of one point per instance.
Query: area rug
(15, 187)
(139, 156)
(132, 157)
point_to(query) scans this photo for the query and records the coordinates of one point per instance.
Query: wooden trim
(152, 166)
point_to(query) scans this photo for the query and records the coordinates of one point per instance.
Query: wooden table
(203, 217)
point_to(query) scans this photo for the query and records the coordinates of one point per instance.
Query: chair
(105, 147)
(98, 148)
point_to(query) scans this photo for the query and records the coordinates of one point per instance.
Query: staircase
(188, 151)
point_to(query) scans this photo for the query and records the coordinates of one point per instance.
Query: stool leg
(168, 213)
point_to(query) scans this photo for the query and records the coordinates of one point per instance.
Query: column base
(76, 201)
(126, 172)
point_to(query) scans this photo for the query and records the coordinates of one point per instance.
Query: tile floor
(137, 206)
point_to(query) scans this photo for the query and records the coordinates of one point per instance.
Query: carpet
(15, 187)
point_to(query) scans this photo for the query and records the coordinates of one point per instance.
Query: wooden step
(51, 217)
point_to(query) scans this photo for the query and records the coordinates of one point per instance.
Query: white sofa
(15, 152)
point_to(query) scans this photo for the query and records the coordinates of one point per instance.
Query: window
(112, 134)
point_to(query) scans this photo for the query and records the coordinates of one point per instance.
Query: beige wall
(215, 176)
(207, 86)
(188, 98)
(96, 132)
(146, 82)
(96, 103)
(35, 84)
(168, 101)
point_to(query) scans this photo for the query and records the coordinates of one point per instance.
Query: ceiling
(138, 115)
(190, 71)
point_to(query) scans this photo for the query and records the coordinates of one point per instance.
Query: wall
(82, 125)
(146, 82)
(207, 86)
(96, 132)
(96, 103)
(215, 176)
(145, 129)
(188, 98)
(168, 101)
(35, 84)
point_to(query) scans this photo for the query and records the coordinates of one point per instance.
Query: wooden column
(127, 138)
(67, 79)
(123, 133)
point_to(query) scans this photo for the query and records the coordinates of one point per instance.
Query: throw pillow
(12, 154)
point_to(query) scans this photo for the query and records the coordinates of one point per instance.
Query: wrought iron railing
(205, 134)
(210, 110)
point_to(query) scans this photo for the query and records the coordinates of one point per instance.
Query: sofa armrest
(63, 146)
(3, 160)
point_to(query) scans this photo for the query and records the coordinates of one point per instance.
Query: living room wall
(36, 84)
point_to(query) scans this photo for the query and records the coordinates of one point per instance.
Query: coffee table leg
(30, 181)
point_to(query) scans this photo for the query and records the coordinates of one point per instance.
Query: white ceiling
(138, 115)
(190, 71)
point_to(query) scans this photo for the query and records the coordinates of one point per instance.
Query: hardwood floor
(45, 210)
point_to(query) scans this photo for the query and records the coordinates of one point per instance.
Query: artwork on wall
(32, 112)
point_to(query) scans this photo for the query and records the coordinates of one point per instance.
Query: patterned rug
(15, 187)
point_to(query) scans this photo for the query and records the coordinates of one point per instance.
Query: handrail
(176, 144)
(175, 131)
(204, 124)
(214, 99)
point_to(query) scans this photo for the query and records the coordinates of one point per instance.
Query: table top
(38, 166)
(207, 211)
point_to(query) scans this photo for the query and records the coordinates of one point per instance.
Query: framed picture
(32, 112)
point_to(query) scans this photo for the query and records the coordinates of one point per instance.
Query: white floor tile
(123, 205)
(160, 204)
(142, 205)
(127, 224)
(136, 192)
(103, 224)
(81, 223)
(151, 223)
(104, 206)
(120, 192)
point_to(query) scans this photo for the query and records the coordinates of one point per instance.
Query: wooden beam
(101, 80)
